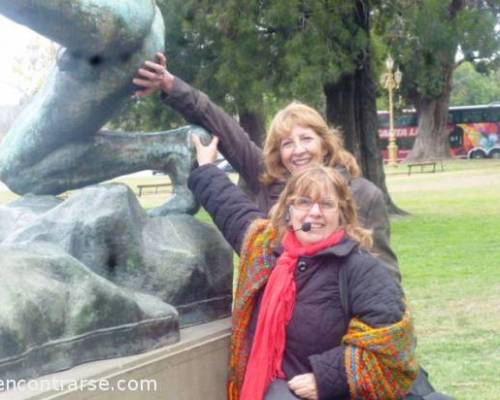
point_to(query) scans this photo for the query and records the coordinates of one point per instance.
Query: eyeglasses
(306, 203)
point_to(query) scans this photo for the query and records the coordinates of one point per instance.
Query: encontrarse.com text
(88, 385)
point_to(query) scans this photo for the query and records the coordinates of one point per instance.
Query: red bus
(473, 131)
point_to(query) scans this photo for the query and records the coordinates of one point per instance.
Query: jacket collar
(341, 250)
(344, 172)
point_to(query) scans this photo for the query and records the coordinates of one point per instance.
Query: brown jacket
(247, 158)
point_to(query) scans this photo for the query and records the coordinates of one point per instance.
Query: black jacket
(248, 160)
(315, 331)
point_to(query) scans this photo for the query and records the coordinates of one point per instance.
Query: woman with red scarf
(298, 137)
(291, 336)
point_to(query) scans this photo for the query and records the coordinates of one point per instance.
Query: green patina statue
(57, 143)
(93, 277)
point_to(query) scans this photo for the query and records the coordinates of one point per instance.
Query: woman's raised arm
(197, 108)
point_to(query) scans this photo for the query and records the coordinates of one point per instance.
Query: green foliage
(244, 53)
(191, 48)
(471, 87)
(425, 37)
(145, 114)
(323, 42)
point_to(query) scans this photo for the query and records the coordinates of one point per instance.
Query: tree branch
(455, 7)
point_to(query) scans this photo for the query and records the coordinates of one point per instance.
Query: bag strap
(344, 291)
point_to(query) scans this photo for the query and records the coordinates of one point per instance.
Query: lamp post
(391, 80)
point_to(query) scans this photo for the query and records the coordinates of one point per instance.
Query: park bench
(151, 186)
(423, 164)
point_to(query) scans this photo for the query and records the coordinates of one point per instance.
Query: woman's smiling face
(301, 149)
(322, 214)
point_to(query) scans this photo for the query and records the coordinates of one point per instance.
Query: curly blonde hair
(282, 124)
(313, 183)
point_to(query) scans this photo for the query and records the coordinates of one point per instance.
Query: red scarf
(278, 301)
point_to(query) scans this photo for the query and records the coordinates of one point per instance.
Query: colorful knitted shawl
(256, 263)
(380, 362)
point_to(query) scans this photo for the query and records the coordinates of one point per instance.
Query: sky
(14, 39)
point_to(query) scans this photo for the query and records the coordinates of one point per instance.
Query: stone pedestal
(93, 277)
(195, 368)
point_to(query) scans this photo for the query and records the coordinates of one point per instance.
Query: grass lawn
(449, 252)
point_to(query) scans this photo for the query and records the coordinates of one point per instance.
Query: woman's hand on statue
(304, 386)
(153, 76)
(206, 154)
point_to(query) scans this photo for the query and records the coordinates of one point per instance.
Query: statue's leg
(86, 27)
(74, 104)
(107, 155)
(178, 169)
(182, 200)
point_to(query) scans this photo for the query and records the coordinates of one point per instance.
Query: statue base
(193, 368)
(94, 277)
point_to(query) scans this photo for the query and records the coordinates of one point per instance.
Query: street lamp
(391, 80)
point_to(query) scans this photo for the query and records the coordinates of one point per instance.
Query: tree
(244, 54)
(351, 103)
(471, 87)
(191, 55)
(317, 52)
(203, 50)
(319, 47)
(430, 39)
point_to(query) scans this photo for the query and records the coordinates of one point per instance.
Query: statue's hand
(205, 154)
(153, 76)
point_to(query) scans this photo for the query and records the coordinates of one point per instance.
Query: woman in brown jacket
(298, 138)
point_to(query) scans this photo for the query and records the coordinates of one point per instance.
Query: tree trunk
(432, 134)
(341, 112)
(351, 106)
(254, 123)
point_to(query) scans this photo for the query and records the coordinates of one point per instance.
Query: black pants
(278, 390)
(423, 390)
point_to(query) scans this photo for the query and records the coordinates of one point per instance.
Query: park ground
(449, 253)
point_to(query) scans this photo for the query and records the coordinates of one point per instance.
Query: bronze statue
(58, 143)
(95, 262)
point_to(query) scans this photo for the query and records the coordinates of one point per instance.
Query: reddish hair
(314, 182)
(282, 124)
